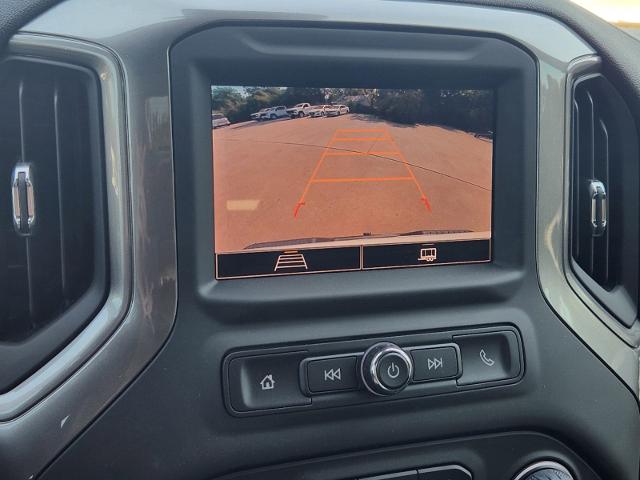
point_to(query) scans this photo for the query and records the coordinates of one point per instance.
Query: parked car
(486, 135)
(273, 113)
(336, 110)
(256, 115)
(318, 110)
(299, 110)
(219, 120)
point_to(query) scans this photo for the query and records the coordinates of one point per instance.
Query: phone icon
(489, 362)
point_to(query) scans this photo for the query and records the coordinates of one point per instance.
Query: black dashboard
(233, 150)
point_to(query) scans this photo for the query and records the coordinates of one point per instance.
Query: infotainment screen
(310, 180)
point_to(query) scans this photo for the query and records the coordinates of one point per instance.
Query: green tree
(402, 106)
(294, 95)
(225, 100)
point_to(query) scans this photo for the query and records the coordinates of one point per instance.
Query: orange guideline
(386, 136)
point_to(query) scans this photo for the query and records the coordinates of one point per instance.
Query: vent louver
(52, 225)
(605, 181)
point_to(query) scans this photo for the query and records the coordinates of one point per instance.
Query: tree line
(470, 110)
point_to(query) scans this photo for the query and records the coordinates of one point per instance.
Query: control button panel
(354, 372)
(332, 374)
(488, 357)
(265, 382)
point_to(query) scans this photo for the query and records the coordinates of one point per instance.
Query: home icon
(267, 383)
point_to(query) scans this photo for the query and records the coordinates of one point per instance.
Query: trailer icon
(428, 255)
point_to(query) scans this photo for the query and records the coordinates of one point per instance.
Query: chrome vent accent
(605, 181)
(52, 223)
(22, 196)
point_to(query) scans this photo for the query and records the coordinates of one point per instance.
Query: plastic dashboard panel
(563, 388)
(564, 385)
(489, 457)
(355, 348)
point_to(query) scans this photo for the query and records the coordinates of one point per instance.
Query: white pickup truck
(299, 110)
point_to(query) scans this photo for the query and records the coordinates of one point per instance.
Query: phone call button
(489, 357)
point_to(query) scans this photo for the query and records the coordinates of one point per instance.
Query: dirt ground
(345, 176)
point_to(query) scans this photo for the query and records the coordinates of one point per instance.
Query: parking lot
(347, 176)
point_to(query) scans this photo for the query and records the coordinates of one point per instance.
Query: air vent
(53, 271)
(605, 181)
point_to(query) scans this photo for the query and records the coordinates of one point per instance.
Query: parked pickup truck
(258, 114)
(299, 110)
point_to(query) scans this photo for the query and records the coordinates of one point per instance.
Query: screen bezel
(262, 53)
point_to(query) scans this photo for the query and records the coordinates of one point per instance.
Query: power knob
(386, 369)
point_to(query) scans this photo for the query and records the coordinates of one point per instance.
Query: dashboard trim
(27, 393)
(62, 397)
(616, 346)
(580, 69)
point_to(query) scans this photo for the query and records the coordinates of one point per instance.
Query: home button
(265, 382)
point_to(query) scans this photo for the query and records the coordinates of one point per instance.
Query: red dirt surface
(345, 176)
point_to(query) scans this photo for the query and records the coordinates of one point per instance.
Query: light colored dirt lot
(345, 176)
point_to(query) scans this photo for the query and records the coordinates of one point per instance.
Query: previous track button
(332, 374)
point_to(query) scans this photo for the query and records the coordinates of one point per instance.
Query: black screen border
(262, 53)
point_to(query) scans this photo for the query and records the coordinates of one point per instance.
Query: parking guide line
(361, 179)
(313, 175)
(382, 154)
(328, 152)
(423, 196)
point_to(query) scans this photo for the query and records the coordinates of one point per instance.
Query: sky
(616, 11)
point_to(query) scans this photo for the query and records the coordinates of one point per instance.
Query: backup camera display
(310, 180)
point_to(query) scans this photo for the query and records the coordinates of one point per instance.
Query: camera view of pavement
(296, 183)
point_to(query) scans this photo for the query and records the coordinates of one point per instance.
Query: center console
(356, 240)
(347, 185)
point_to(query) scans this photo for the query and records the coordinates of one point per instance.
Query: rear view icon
(289, 260)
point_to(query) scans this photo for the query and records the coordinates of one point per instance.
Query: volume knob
(386, 369)
(543, 471)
